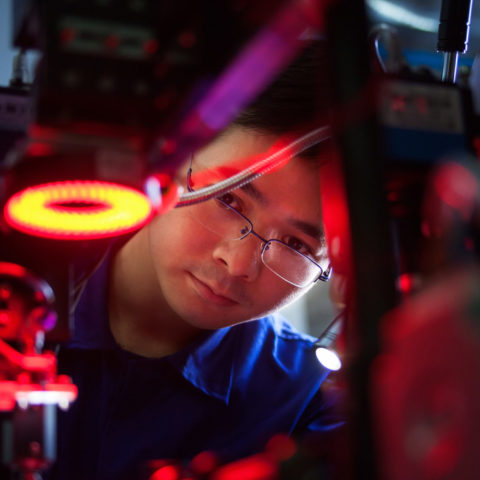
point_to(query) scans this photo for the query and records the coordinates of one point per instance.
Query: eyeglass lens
(289, 264)
(220, 219)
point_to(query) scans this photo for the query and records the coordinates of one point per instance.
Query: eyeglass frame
(325, 273)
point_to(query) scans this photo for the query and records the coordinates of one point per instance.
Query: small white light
(153, 189)
(22, 403)
(63, 404)
(328, 359)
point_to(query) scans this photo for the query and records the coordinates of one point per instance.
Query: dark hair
(297, 99)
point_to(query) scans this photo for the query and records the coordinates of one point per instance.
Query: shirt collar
(207, 363)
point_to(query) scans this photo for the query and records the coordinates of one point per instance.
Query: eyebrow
(255, 193)
(314, 231)
(310, 229)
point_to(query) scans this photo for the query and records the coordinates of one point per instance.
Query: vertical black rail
(372, 279)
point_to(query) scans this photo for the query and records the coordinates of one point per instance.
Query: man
(176, 350)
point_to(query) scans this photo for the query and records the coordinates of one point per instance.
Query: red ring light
(76, 210)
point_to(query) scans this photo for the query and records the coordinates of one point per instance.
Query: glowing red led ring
(78, 210)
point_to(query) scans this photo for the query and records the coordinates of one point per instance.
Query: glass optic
(221, 219)
(289, 264)
(286, 262)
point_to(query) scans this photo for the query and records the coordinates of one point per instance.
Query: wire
(327, 334)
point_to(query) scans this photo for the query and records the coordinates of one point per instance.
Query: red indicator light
(399, 103)
(168, 472)
(40, 149)
(5, 294)
(405, 283)
(150, 46)
(77, 210)
(408, 283)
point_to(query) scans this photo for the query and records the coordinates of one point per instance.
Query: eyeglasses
(284, 261)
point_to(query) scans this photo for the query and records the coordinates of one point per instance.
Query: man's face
(211, 282)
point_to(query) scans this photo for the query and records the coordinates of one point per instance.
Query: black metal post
(372, 282)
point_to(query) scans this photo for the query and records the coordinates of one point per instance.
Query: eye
(298, 245)
(231, 200)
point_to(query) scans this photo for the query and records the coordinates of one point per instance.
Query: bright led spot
(328, 359)
(153, 189)
(162, 192)
(77, 210)
(44, 397)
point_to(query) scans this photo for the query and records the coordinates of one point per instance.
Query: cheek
(278, 293)
(174, 235)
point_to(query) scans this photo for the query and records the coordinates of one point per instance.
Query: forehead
(292, 189)
(236, 149)
(234, 144)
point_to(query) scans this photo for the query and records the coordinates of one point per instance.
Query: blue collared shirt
(228, 392)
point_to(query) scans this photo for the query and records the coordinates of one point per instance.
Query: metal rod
(450, 67)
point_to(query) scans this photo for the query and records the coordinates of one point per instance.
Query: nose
(241, 258)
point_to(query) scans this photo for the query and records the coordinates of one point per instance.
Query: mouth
(209, 294)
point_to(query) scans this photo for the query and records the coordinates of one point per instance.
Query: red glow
(168, 472)
(204, 462)
(5, 293)
(405, 283)
(76, 210)
(399, 103)
(281, 447)
(12, 269)
(257, 467)
(150, 46)
(39, 149)
(36, 363)
(457, 187)
(336, 217)
(7, 402)
(168, 146)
